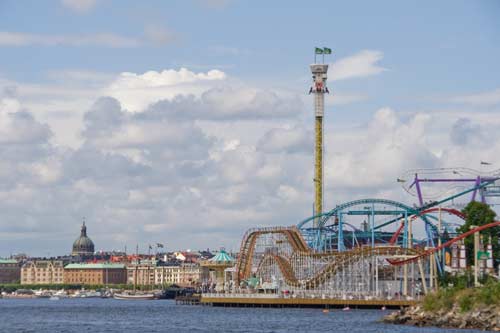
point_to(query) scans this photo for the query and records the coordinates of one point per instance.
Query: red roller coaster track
(451, 211)
(447, 244)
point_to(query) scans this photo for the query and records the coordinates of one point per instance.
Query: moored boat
(133, 296)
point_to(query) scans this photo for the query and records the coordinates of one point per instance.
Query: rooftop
(8, 261)
(222, 257)
(95, 266)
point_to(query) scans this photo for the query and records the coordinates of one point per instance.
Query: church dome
(83, 245)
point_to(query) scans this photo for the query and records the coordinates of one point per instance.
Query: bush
(467, 299)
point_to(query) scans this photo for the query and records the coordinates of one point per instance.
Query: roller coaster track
(342, 259)
(247, 248)
(447, 244)
(450, 211)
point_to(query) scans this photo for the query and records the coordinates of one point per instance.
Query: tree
(477, 214)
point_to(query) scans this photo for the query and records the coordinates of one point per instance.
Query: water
(108, 315)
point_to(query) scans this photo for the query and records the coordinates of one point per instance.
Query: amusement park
(368, 251)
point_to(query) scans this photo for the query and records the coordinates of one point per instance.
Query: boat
(134, 296)
(60, 294)
(54, 298)
(86, 294)
(43, 294)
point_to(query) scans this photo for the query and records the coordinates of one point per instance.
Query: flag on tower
(326, 50)
(318, 51)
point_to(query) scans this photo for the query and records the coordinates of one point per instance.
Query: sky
(188, 122)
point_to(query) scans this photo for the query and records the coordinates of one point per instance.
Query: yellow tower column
(318, 165)
(319, 76)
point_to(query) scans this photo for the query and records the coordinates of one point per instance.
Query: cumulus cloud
(380, 152)
(200, 95)
(284, 140)
(20, 127)
(363, 63)
(200, 166)
(136, 91)
(100, 39)
(464, 131)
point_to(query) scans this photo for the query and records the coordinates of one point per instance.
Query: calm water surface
(108, 315)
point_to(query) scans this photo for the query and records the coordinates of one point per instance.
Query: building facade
(142, 273)
(43, 272)
(183, 274)
(10, 271)
(105, 273)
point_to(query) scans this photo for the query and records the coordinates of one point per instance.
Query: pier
(258, 300)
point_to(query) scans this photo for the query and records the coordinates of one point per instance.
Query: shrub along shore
(456, 306)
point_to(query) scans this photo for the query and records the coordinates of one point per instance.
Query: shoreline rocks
(485, 318)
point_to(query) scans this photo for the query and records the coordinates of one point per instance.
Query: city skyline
(189, 122)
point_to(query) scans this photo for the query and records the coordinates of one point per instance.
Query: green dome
(222, 257)
(83, 245)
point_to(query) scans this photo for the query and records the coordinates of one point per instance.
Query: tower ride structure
(319, 88)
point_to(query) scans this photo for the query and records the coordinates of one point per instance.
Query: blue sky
(415, 84)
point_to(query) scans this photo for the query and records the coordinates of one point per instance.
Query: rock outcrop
(484, 318)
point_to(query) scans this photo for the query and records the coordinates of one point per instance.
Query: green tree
(477, 214)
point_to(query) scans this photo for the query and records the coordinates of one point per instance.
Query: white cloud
(19, 127)
(286, 140)
(201, 95)
(80, 6)
(361, 64)
(481, 99)
(200, 166)
(137, 91)
(100, 39)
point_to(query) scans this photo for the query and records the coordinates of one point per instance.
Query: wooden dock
(304, 302)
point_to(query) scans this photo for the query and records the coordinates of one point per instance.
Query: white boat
(43, 294)
(133, 296)
(86, 294)
(54, 298)
(61, 294)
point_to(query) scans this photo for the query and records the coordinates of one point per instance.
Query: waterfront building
(142, 272)
(83, 245)
(183, 274)
(43, 272)
(91, 273)
(10, 271)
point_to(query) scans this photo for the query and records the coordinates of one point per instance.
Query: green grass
(466, 298)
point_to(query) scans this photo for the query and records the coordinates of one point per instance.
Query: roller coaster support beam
(476, 261)
(340, 238)
(373, 224)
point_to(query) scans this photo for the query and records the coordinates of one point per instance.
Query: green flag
(327, 50)
(318, 51)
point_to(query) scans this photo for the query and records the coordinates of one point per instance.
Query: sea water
(109, 315)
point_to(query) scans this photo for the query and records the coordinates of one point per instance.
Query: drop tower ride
(318, 89)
